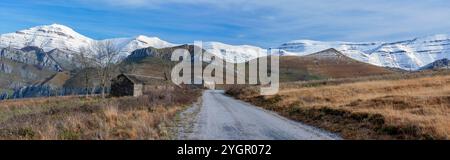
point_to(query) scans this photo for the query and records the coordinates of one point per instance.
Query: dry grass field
(412, 108)
(78, 118)
(323, 65)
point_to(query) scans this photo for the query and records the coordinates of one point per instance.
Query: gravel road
(220, 117)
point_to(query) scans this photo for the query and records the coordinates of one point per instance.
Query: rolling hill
(156, 62)
(439, 64)
(16, 74)
(322, 65)
(325, 65)
(410, 54)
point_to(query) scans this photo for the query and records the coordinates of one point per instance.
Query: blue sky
(265, 23)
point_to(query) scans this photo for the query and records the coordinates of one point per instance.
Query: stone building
(136, 85)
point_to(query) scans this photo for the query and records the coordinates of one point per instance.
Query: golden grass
(421, 104)
(79, 118)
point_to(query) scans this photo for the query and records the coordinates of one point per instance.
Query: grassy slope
(415, 108)
(22, 74)
(93, 118)
(319, 66)
(291, 68)
(77, 79)
(57, 80)
(322, 66)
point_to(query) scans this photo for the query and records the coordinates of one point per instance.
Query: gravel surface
(220, 117)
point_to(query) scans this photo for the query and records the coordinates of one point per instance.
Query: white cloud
(338, 20)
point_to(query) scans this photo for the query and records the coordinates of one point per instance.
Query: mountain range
(55, 45)
(407, 55)
(65, 39)
(56, 36)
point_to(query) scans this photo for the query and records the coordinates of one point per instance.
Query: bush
(235, 90)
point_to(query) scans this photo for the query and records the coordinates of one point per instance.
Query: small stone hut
(136, 85)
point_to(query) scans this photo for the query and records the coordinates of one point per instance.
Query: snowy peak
(408, 54)
(128, 45)
(56, 29)
(234, 53)
(47, 37)
(60, 45)
(412, 54)
(139, 42)
(229, 53)
(56, 36)
(305, 47)
(152, 42)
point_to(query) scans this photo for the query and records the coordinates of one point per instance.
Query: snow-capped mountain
(67, 42)
(412, 54)
(236, 54)
(56, 36)
(48, 37)
(128, 45)
(409, 54)
(351, 49)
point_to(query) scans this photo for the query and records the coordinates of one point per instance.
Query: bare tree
(105, 55)
(84, 62)
(167, 69)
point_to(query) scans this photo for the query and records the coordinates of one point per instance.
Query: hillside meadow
(413, 107)
(93, 118)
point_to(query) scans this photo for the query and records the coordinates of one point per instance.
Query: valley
(58, 48)
(55, 83)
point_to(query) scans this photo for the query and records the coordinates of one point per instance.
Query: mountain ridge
(409, 54)
(439, 64)
(57, 36)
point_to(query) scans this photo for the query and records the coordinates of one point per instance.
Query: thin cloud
(262, 22)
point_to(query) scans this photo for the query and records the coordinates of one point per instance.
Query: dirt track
(223, 118)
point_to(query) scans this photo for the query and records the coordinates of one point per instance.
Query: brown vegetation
(324, 65)
(415, 108)
(57, 80)
(77, 118)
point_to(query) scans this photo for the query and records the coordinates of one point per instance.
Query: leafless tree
(85, 62)
(105, 56)
(167, 69)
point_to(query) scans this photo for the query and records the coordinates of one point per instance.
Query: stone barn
(136, 85)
